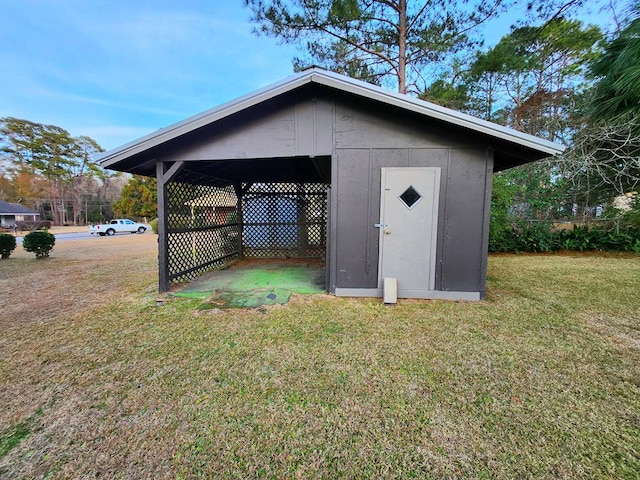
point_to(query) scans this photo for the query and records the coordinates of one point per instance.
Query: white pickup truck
(119, 225)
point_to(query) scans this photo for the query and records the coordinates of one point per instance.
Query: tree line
(45, 168)
(552, 76)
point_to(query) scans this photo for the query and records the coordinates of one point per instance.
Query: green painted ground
(254, 284)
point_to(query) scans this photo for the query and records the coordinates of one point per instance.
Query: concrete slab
(252, 283)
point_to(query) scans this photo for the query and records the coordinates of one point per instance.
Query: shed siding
(464, 221)
(362, 125)
(397, 142)
(303, 128)
(357, 196)
(353, 260)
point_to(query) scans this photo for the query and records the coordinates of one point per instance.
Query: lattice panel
(285, 220)
(202, 228)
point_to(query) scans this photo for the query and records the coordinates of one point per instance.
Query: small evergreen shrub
(7, 245)
(39, 242)
(523, 236)
(154, 225)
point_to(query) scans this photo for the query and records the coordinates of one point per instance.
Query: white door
(408, 226)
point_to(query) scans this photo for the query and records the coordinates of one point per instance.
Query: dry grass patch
(524, 385)
(79, 274)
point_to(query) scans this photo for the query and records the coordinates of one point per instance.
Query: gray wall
(366, 141)
(273, 130)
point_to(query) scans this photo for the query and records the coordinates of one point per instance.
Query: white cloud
(83, 65)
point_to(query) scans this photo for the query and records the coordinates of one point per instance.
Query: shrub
(39, 242)
(154, 225)
(7, 245)
(500, 225)
(523, 236)
(33, 224)
(632, 217)
(540, 237)
(232, 218)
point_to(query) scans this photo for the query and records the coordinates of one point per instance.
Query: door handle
(387, 232)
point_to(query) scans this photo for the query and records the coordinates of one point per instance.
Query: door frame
(435, 193)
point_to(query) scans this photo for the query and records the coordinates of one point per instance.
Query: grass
(16, 433)
(542, 380)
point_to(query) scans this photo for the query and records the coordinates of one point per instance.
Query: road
(73, 236)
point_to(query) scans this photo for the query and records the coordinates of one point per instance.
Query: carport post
(164, 176)
(237, 186)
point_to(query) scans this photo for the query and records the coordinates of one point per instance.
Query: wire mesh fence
(285, 220)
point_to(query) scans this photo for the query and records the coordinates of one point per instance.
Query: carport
(320, 165)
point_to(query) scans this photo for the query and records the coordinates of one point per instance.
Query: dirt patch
(78, 274)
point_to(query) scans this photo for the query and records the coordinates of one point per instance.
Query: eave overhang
(538, 147)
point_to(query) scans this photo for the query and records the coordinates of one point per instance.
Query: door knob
(387, 232)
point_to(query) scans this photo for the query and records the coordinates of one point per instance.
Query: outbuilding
(379, 184)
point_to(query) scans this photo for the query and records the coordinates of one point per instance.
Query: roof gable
(340, 83)
(7, 208)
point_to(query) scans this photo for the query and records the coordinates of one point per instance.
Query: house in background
(10, 213)
(401, 187)
(214, 208)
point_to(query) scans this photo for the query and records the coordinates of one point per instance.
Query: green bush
(154, 225)
(632, 216)
(232, 218)
(523, 236)
(585, 238)
(500, 225)
(39, 242)
(7, 245)
(540, 237)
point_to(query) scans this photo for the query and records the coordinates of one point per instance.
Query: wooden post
(237, 186)
(302, 218)
(163, 254)
(164, 176)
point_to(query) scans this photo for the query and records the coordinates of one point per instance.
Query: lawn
(541, 380)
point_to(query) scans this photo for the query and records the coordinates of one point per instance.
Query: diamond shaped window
(410, 197)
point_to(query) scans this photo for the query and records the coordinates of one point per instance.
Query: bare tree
(604, 161)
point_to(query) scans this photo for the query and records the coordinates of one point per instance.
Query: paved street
(60, 237)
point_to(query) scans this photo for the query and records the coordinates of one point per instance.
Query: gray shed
(383, 185)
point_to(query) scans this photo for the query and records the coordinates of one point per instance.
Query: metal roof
(340, 82)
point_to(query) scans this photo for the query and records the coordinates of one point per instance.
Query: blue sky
(116, 70)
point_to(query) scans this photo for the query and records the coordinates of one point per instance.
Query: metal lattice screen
(285, 220)
(202, 228)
